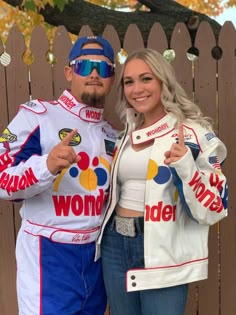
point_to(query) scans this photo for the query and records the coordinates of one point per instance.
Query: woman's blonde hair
(173, 96)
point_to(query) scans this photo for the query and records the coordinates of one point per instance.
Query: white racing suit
(59, 213)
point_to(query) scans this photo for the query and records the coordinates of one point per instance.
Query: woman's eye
(126, 82)
(146, 79)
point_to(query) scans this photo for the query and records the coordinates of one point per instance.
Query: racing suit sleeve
(201, 184)
(23, 168)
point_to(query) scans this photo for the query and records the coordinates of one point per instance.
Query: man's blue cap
(78, 50)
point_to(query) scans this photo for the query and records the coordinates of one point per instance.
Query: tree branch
(167, 12)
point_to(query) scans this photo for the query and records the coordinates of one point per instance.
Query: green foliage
(61, 4)
(37, 5)
(30, 5)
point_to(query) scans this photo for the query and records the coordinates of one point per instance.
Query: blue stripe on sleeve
(30, 147)
(179, 185)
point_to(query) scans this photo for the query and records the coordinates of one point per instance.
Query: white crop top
(132, 175)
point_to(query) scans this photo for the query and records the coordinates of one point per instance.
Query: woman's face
(142, 89)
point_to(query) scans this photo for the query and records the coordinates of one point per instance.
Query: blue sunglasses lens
(84, 67)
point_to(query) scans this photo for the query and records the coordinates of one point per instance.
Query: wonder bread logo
(7, 136)
(75, 140)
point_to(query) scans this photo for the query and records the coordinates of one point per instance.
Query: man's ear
(68, 73)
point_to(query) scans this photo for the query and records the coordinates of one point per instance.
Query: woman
(167, 187)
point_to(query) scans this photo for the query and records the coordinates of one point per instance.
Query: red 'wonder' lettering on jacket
(5, 161)
(158, 129)
(93, 114)
(208, 198)
(160, 213)
(13, 183)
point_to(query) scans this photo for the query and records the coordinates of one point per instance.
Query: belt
(129, 226)
(59, 235)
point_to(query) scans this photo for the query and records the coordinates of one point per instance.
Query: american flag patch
(214, 161)
(210, 135)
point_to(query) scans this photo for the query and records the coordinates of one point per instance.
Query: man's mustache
(92, 82)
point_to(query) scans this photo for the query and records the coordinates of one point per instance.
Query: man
(55, 156)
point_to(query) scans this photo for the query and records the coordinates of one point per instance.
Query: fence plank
(40, 70)
(8, 303)
(61, 47)
(157, 38)
(17, 72)
(227, 131)
(85, 31)
(180, 43)
(133, 39)
(110, 105)
(3, 93)
(205, 88)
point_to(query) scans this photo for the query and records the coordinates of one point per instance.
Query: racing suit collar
(84, 112)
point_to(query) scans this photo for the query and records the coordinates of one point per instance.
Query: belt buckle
(125, 226)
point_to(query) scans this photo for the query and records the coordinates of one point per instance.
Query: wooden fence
(212, 84)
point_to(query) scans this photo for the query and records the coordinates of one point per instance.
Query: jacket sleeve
(23, 168)
(201, 184)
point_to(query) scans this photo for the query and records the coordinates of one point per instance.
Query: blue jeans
(120, 253)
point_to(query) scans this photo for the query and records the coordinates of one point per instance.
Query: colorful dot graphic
(90, 172)
(160, 175)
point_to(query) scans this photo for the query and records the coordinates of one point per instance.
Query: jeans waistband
(59, 235)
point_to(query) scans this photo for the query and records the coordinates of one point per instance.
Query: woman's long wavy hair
(173, 96)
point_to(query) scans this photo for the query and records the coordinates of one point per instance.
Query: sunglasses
(84, 67)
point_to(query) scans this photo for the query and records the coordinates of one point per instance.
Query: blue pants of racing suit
(57, 278)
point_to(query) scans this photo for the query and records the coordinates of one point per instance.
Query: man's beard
(93, 100)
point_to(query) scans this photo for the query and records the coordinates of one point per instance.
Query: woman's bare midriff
(124, 212)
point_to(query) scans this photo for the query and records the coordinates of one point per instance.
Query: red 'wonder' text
(208, 198)
(87, 205)
(160, 213)
(13, 183)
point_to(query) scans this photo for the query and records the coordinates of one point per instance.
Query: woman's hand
(177, 150)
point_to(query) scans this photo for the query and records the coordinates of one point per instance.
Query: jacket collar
(159, 128)
(84, 112)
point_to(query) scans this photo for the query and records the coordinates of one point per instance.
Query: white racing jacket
(181, 201)
(74, 199)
